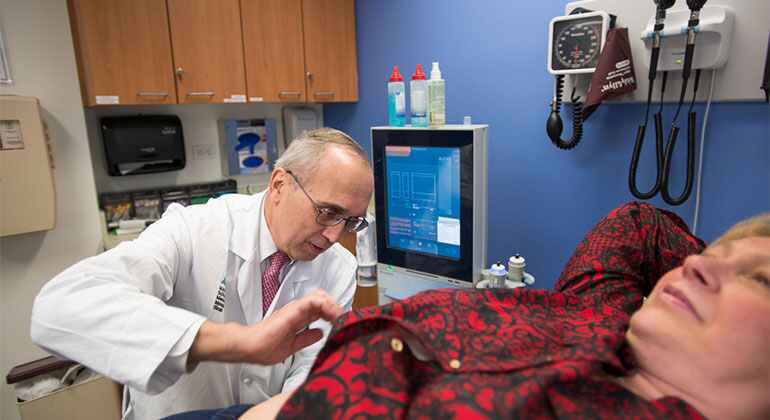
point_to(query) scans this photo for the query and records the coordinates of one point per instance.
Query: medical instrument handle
(654, 63)
(695, 5)
(688, 54)
(766, 78)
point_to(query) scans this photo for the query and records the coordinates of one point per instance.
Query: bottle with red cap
(418, 87)
(396, 99)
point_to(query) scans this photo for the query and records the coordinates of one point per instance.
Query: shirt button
(247, 381)
(397, 345)
(455, 364)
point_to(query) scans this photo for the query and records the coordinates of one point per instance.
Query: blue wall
(543, 200)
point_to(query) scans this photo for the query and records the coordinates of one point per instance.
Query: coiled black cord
(691, 126)
(689, 54)
(640, 132)
(554, 125)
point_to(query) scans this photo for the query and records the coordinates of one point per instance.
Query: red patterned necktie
(270, 278)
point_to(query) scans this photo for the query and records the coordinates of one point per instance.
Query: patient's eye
(761, 279)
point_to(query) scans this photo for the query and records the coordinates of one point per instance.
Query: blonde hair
(755, 226)
(302, 157)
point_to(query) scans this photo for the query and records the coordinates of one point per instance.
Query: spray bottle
(419, 95)
(436, 98)
(396, 99)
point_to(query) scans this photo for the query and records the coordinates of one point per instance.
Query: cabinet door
(273, 50)
(124, 51)
(208, 50)
(330, 50)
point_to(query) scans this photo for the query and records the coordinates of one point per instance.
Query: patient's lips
(677, 298)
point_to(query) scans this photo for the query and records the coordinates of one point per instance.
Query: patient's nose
(706, 271)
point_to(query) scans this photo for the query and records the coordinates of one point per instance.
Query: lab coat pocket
(264, 381)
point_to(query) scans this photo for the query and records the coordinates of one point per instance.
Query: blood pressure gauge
(575, 42)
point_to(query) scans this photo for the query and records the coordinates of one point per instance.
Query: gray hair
(755, 226)
(302, 155)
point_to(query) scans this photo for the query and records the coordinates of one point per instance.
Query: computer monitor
(430, 201)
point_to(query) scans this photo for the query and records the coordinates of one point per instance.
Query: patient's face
(710, 319)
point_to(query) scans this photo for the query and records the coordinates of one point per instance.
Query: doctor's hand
(270, 341)
(285, 331)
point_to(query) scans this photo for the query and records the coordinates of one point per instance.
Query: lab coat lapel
(292, 285)
(244, 243)
(250, 290)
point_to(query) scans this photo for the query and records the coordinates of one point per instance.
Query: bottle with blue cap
(499, 274)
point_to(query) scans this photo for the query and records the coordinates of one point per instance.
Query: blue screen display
(423, 199)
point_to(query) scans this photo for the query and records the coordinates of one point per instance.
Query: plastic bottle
(366, 252)
(516, 266)
(396, 99)
(418, 88)
(436, 98)
(499, 273)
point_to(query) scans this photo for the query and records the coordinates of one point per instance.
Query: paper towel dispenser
(27, 192)
(143, 144)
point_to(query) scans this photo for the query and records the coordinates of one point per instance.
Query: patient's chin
(650, 322)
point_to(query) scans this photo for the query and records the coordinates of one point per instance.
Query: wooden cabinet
(123, 51)
(330, 50)
(214, 51)
(274, 50)
(300, 50)
(208, 50)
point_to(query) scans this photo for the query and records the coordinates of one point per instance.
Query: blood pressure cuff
(614, 73)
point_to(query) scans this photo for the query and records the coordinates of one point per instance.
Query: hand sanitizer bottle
(436, 98)
(418, 88)
(396, 99)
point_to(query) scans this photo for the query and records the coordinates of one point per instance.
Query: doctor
(231, 281)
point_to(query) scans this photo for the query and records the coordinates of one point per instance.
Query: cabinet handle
(283, 93)
(325, 94)
(207, 93)
(179, 72)
(309, 75)
(146, 93)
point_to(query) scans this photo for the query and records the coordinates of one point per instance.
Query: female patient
(698, 346)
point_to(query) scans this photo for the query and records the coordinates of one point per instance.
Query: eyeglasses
(328, 217)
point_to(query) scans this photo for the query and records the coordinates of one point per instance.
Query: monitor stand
(400, 284)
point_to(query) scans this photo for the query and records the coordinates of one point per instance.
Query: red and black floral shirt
(463, 354)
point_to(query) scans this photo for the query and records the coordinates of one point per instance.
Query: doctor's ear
(277, 180)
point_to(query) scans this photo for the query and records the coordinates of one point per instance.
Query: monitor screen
(423, 199)
(424, 190)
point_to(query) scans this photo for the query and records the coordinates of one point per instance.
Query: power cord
(699, 177)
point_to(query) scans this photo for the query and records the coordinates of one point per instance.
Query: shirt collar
(265, 241)
(267, 246)
(251, 235)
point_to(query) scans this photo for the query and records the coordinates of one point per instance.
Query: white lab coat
(132, 312)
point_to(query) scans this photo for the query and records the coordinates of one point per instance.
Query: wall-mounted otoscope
(665, 151)
(695, 8)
